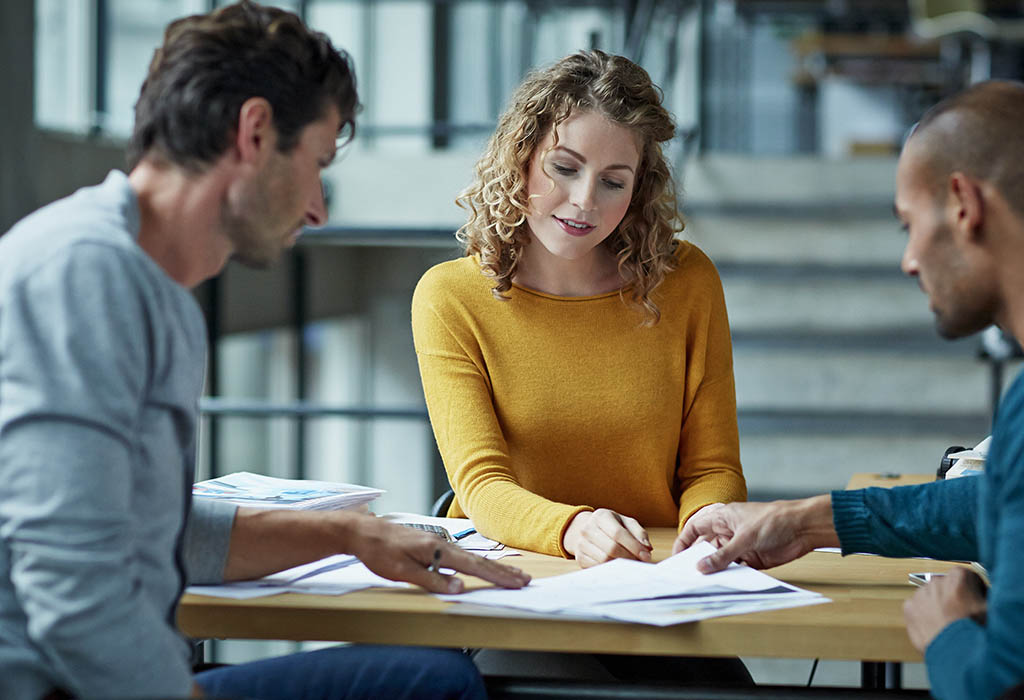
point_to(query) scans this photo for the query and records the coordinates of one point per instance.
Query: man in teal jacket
(960, 197)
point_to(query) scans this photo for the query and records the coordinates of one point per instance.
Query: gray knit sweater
(101, 366)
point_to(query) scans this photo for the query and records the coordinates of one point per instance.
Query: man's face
(960, 298)
(270, 211)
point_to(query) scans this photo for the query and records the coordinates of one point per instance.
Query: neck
(179, 220)
(1005, 233)
(1011, 316)
(595, 273)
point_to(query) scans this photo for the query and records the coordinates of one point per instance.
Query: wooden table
(887, 479)
(864, 621)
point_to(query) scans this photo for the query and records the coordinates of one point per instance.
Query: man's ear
(966, 206)
(255, 137)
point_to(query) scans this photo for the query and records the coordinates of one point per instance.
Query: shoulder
(452, 280)
(693, 261)
(460, 271)
(87, 230)
(694, 273)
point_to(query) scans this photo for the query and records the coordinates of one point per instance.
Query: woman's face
(581, 189)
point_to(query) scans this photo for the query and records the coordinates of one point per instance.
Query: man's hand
(404, 554)
(265, 541)
(761, 535)
(598, 536)
(960, 593)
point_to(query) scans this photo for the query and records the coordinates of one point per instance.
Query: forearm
(932, 520)
(722, 485)
(265, 541)
(509, 513)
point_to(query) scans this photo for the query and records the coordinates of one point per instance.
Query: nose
(908, 263)
(316, 211)
(583, 194)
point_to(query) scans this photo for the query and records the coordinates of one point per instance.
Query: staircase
(838, 367)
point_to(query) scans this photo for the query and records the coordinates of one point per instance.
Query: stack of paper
(667, 593)
(257, 491)
(334, 575)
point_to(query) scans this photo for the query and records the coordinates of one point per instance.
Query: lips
(574, 227)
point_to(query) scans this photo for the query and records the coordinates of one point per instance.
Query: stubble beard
(245, 226)
(970, 309)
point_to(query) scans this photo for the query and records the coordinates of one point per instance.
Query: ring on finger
(432, 567)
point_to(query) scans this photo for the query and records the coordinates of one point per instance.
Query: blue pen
(465, 533)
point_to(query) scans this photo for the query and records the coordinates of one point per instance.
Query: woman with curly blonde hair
(577, 363)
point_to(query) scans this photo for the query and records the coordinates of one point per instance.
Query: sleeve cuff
(850, 519)
(207, 538)
(559, 546)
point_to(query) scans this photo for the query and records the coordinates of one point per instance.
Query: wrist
(571, 538)
(347, 531)
(813, 517)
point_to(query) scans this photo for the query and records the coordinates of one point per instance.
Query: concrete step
(736, 181)
(822, 299)
(794, 465)
(731, 239)
(861, 380)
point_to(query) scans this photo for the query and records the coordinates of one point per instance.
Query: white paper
(499, 554)
(240, 590)
(259, 491)
(302, 571)
(663, 612)
(588, 591)
(345, 578)
(335, 575)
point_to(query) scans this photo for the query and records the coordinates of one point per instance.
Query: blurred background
(790, 115)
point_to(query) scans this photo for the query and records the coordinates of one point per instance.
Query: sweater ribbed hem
(850, 517)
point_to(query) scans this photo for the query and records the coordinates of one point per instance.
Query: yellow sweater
(546, 406)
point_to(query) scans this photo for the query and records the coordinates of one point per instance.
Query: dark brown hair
(209, 65)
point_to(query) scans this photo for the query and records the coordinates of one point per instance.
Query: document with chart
(667, 593)
(259, 491)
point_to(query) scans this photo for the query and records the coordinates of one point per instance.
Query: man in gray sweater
(102, 353)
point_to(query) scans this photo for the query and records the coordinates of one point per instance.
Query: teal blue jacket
(973, 518)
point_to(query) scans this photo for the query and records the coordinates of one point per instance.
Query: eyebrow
(579, 157)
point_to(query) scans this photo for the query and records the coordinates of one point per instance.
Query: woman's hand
(601, 535)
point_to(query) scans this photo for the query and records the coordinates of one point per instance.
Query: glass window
(64, 64)
(134, 29)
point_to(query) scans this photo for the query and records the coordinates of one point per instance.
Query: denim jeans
(351, 672)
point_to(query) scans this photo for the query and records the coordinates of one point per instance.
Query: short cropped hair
(978, 132)
(209, 65)
(497, 201)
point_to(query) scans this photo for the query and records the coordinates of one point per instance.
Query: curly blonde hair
(498, 203)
